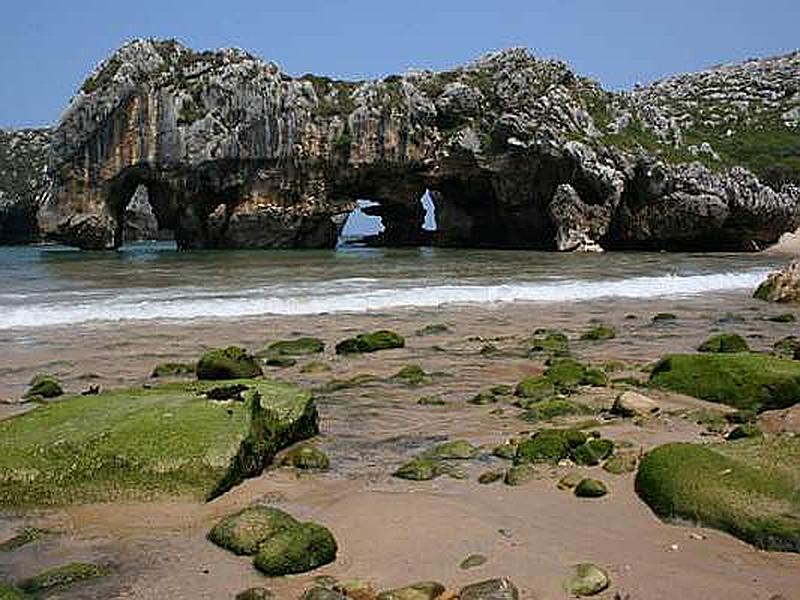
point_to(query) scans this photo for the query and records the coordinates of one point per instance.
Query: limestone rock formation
(23, 183)
(515, 151)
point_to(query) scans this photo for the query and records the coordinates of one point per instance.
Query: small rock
(591, 488)
(491, 477)
(472, 561)
(520, 475)
(589, 580)
(569, 481)
(424, 590)
(256, 593)
(322, 593)
(306, 458)
(493, 589)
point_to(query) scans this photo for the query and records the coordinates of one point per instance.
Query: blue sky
(47, 47)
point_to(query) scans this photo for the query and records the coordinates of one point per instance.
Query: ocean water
(47, 286)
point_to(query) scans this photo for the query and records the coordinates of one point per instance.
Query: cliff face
(23, 183)
(516, 152)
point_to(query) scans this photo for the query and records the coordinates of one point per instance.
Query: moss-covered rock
(745, 431)
(315, 367)
(484, 398)
(174, 369)
(303, 346)
(549, 445)
(591, 488)
(63, 576)
(783, 318)
(432, 329)
(23, 537)
(599, 333)
(592, 453)
(506, 450)
(9, 592)
(555, 407)
(256, 593)
(306, 458)
(227, 363)
(748, 489)
(565, 373)
(569, 481)
(553, 343)
(535, 388)
(787, 347)
(782, 286)
(664, 317)
(724, 343)
(589, 580)
(280, 362)
(744, 381)
(424, 590)
(371, 342)
(298, 549)
(493, 589)
(320, 592)
(224, 393)
(454, 450)
(419, 469)
(243, 532)
(520, 475)
(411, 375)
(167, 440)
(489, 477)
(44, 386)
(622, 463)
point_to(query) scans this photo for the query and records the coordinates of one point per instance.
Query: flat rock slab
(169, 440)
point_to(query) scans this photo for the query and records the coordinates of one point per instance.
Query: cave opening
(390, 223)
(139, 220)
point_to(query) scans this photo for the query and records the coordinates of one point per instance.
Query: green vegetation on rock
(23, 537)
(424, 590)
(724, 343)
(44, 386)
(299, 549)
(411, 375)
(228, 363)
(589, 580)
(747, 488)
(520, 475)
(9, 592)
(455, 450)
(306, 458)
(63, 576)
(242, 533)
(549, 342)
(434, 329)
(563, 375)
(257, 593)
(664, 317)
(622, 463)
(599, 333)
(546, 410)
(591, 488)
(419, 469)
(744, 381)
(592, 453)
(549, 445)
(536, 388)
(370, 342)
(745, 431)
(303, 346)
(174, 369)
(145, 443)
(787, 347)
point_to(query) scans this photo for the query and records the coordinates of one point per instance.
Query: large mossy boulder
(63, 576)
(243, 532)
(724, 343)
(44, 386)
(549, 445)
(749, 488)
(232, 362)
(167, 440)
(371, 342)
(299, 549)
(745, 381)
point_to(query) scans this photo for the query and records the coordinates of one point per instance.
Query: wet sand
(393, 532)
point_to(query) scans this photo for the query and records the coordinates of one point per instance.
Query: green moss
(746, 431)
(23, 537)
(713, 420)
(748, 488)
(569, 481)
(484, 398)
(280, 362)
(242, 533)
(594, 377)
(744, 381)
(724, 343)
(620, 464)
(227, 363)
(299, 549)
(174, 369)
(145, 443)
(455, 450)
(419, 469)
(599, 333)
(555, 407)
(549, 445)
(306, 458)
(787, 347)
(554, 343)
(535, 388)
(63, 576)
(371, 342)
(520, 475)
(9, 592)
(424, 590)
(44, 386)
(507, 450)
(314, 367)
(411, 375)
(591, 488)
(589, 580)
(257, 593)
(303, 346)
(335, 385)
(593, 452)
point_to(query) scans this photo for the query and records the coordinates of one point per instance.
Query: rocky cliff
(23, 183)
(516, 152)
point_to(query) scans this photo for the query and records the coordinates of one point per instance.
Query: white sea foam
(333, 296)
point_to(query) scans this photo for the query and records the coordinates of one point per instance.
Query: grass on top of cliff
(144, 443)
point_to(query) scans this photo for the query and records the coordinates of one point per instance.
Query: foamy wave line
(183, 308)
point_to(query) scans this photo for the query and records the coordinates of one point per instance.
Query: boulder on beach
(232, 362)
(307, 458)
(589, 580)
(748, 488)
(591, 488)
(724, 343)
(298, 549)
(424, 590)
(143, 443)
(44, 386)
(782, 286)
(634, 404)
(743, 380)
(242, 533)
(492, 589)
(303, 346)
(63, 576)
(549, 445)
(371, 342)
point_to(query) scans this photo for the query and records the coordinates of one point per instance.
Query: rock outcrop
(23, 183)
(516, 152)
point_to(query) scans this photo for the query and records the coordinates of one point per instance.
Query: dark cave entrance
(390, 223)
(139, 221)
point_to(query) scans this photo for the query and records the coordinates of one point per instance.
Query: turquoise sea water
(54, 286)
